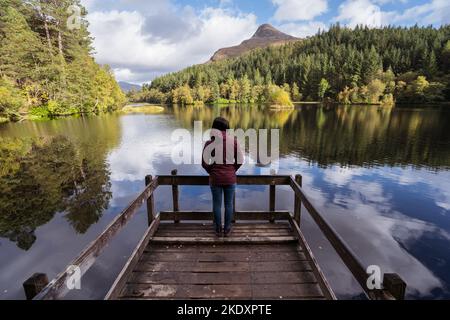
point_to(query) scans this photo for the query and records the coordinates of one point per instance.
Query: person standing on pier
(222, 158)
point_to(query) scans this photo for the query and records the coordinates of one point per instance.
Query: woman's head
(221, 124)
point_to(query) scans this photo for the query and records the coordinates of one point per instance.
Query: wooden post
(150, 202)
(272, 200)
(34, 284)
(298, 203)
(395, 285)
(175, 197)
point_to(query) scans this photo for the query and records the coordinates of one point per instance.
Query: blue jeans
(228, 191)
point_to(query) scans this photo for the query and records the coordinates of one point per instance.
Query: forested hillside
(361, 65)
(46, 66)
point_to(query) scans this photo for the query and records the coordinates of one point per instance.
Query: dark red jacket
(223, 174)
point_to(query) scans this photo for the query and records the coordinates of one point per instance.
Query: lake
(379, 175)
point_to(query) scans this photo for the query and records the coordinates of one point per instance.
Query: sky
(143, 39)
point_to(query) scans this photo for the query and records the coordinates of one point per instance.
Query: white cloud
(143, 39)
(139, 44)
(369, 12)
(436, 12)
(295, 10)
(355, 12)
(124, 74)
(302, 30)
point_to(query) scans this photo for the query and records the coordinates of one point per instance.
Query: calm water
(380, 176)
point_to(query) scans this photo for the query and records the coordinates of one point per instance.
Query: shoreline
(141, 107)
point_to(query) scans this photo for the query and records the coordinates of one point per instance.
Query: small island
(279, 99)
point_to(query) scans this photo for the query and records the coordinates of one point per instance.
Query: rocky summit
(265, 36)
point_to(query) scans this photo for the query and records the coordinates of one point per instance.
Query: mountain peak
(266, 35)
(268, 31)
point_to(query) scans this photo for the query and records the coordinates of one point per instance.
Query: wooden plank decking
(188, 261)
(267, 256)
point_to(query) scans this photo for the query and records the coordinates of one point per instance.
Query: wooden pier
(180, 257)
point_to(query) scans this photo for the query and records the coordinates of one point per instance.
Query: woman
(222, 172)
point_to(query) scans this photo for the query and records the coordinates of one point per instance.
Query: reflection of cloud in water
(341, 176)
(146, 148)
(397, 217)
(438, 182)
(374, 237)
(362, 211)
(356, 201)
(145, 141)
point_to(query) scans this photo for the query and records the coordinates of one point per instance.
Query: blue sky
(265, 9)
(142, 39)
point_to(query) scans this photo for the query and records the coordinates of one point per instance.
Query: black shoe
(227, 232)
(218, 231)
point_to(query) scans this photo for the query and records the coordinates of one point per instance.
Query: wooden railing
(177, 215)
(57, 288)
(393, 286)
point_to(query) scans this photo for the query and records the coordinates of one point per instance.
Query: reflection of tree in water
(90, 197)
(245, 117)
(43, 177)
(345, 135)
(368, 136)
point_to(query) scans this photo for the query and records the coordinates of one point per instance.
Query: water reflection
(380, 175)
(47, 173)
(345, 135)
(384, 222)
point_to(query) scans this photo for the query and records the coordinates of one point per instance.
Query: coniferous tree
(349, 60)
(49, 63)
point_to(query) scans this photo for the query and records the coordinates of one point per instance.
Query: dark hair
(221, 124)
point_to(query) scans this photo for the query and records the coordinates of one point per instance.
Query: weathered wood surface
(272, 198)
(175, 196)
(34, 284)
(315, 266)
(297, 201)
(394, 285)
(57, 287)
(134, 258)
(344, 252)
(150, 202)
(355, 266)
(181, 180)
(255, 250)
(238, 215)
(220, 268)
